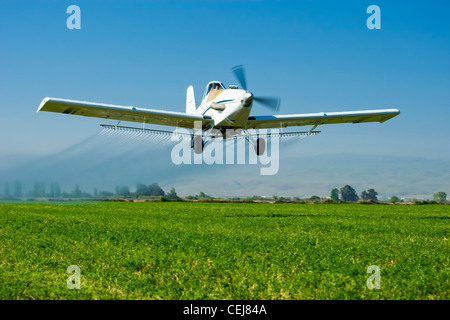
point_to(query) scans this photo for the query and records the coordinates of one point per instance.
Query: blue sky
(316, 55)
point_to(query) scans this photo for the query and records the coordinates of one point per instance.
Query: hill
(105, 162)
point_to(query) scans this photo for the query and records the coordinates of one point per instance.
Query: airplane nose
(248, 99)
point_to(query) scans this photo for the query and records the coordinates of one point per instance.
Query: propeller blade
(272, 103)
(240, 75)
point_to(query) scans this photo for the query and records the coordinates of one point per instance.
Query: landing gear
(198, 142)
(260, 146)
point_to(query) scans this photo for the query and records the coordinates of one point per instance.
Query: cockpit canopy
(217, 85)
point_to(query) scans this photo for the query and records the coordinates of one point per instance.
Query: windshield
(216, 85)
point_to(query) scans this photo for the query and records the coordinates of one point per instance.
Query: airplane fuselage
(229, 108)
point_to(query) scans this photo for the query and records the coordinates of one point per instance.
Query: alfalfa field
(251, 251)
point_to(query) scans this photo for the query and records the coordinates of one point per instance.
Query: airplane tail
(190, 100)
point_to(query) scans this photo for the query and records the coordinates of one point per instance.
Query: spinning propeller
(272, 103)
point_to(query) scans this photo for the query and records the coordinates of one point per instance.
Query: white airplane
(221, 109)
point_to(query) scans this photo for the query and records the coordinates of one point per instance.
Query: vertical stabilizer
(190, 100)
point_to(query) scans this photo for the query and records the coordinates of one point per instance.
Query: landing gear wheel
(260, 146)
(198, 144)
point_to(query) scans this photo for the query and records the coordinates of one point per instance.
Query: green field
(179, 250)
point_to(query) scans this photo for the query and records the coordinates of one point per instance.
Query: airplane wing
(315, 119)
(124, 113)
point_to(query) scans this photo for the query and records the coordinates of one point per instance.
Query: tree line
(153, 190)
(40, 190)
(348, 194)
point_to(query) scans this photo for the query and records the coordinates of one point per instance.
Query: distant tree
(38, 189)
(76, 193)
(370, 194)
(85, 194)
(141, 190)
(17, 189)
(172, 194)
(7, 192)
(55, 190)
(314, 198)
(123, 191)
(348, 194)
(334, 194)
(394, 199)
(105, 194)
(364, 195)
(152, 190)
(155, 190)
(203, 195)
(440, 197)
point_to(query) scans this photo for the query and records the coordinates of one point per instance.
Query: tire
(198, 144)
(260, 146)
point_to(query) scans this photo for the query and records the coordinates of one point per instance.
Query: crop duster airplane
(221, 109)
